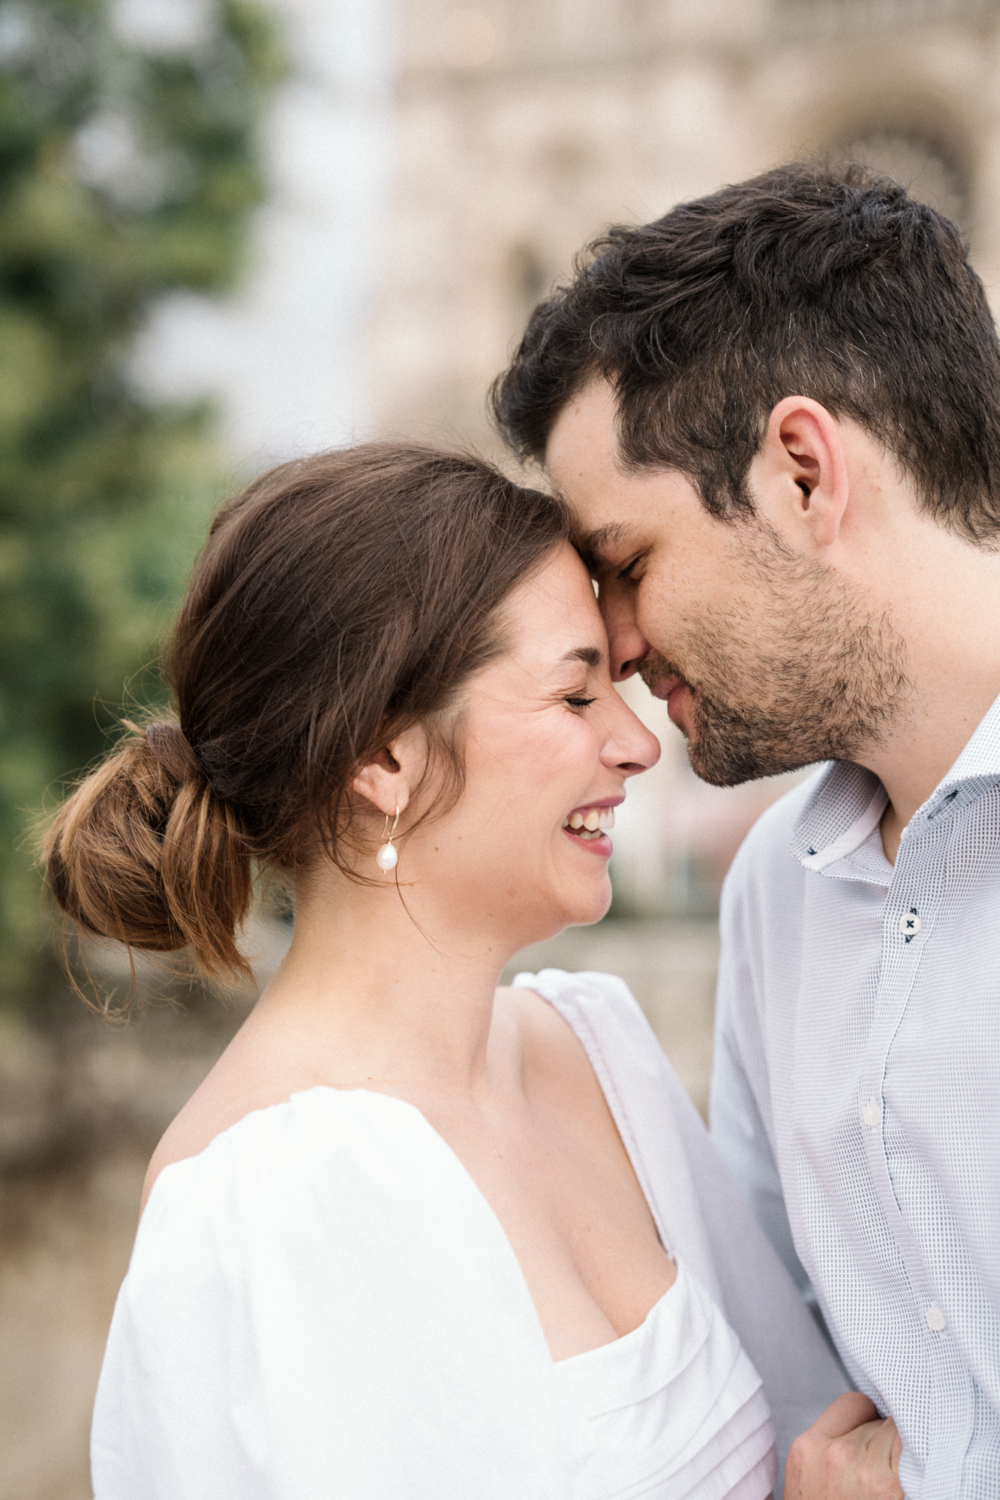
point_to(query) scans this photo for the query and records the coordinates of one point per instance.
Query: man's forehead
(582, 452)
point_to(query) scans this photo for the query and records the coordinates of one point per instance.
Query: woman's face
(548, 747)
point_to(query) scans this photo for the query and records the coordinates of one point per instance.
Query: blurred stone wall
(523, 127)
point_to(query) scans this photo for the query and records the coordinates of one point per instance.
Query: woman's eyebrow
(589, 655)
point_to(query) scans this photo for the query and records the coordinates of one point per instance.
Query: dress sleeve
(322, 1306)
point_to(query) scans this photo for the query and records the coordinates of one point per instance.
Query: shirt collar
(847, 803)
(981, 756)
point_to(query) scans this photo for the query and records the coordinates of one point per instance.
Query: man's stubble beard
(806, 673)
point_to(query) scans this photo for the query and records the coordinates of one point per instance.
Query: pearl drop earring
(388, 855)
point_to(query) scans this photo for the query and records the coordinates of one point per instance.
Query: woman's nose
(635, 748)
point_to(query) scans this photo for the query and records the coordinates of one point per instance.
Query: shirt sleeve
(740, 1098)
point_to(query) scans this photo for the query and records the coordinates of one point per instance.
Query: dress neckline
(633, 1333)
(413, 1110)
(622, 1346)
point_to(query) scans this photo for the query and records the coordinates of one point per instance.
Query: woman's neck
(382, 990)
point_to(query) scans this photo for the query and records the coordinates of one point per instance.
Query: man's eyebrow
(589, 655)
(593, 545)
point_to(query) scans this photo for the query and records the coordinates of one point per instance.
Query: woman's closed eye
(578, 701)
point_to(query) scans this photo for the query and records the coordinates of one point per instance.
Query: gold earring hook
(385, 830)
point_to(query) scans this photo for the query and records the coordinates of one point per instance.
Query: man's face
(768, 660)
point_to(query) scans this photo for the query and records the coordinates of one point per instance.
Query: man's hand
(849, 1453)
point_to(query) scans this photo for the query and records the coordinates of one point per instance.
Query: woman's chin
(544, 919)
(592, 905)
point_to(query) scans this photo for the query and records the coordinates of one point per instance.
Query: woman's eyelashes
(578, 700)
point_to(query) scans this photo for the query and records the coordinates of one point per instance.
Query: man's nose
(628, 646)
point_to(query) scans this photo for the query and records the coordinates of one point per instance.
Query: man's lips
(673, 691)
(664, 686)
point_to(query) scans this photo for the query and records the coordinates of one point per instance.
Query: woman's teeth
(591, 823)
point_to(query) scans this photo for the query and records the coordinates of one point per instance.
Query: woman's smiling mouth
(590, 822)
(590, 825)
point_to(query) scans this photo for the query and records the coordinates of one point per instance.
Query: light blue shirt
(856, 1092)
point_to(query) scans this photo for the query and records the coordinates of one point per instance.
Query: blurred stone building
(525, 126)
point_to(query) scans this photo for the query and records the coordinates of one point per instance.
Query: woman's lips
(593, 821)
(601, 845)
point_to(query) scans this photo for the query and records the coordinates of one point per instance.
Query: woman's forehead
(554, 618)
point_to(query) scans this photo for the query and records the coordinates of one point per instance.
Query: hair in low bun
(145, 853)
(339, 600)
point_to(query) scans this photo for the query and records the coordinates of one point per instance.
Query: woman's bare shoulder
(553, 1057)
(559, 1082)
(237, 1085)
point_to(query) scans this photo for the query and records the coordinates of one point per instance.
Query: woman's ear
(800, 477)
(391, 777)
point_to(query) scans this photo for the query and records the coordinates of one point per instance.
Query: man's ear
(799, 479)
(391, 777)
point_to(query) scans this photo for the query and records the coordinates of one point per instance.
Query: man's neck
(951, 622)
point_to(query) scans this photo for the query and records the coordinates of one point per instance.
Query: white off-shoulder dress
(323, 1306)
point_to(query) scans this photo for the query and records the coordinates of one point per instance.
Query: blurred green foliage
(128, 169)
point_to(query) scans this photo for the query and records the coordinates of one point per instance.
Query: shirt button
(909, 923)
(872, 1115)
(936, 1320)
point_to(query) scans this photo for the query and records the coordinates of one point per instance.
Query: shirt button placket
(910, 923)
(935, 1319)
(904, 936)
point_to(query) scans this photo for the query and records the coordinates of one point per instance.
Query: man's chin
(710, 769)
(725, 771)
(732, 760)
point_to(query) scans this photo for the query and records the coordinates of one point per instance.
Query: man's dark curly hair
(803, 281)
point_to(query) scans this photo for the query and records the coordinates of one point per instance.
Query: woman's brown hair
(340, 599)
